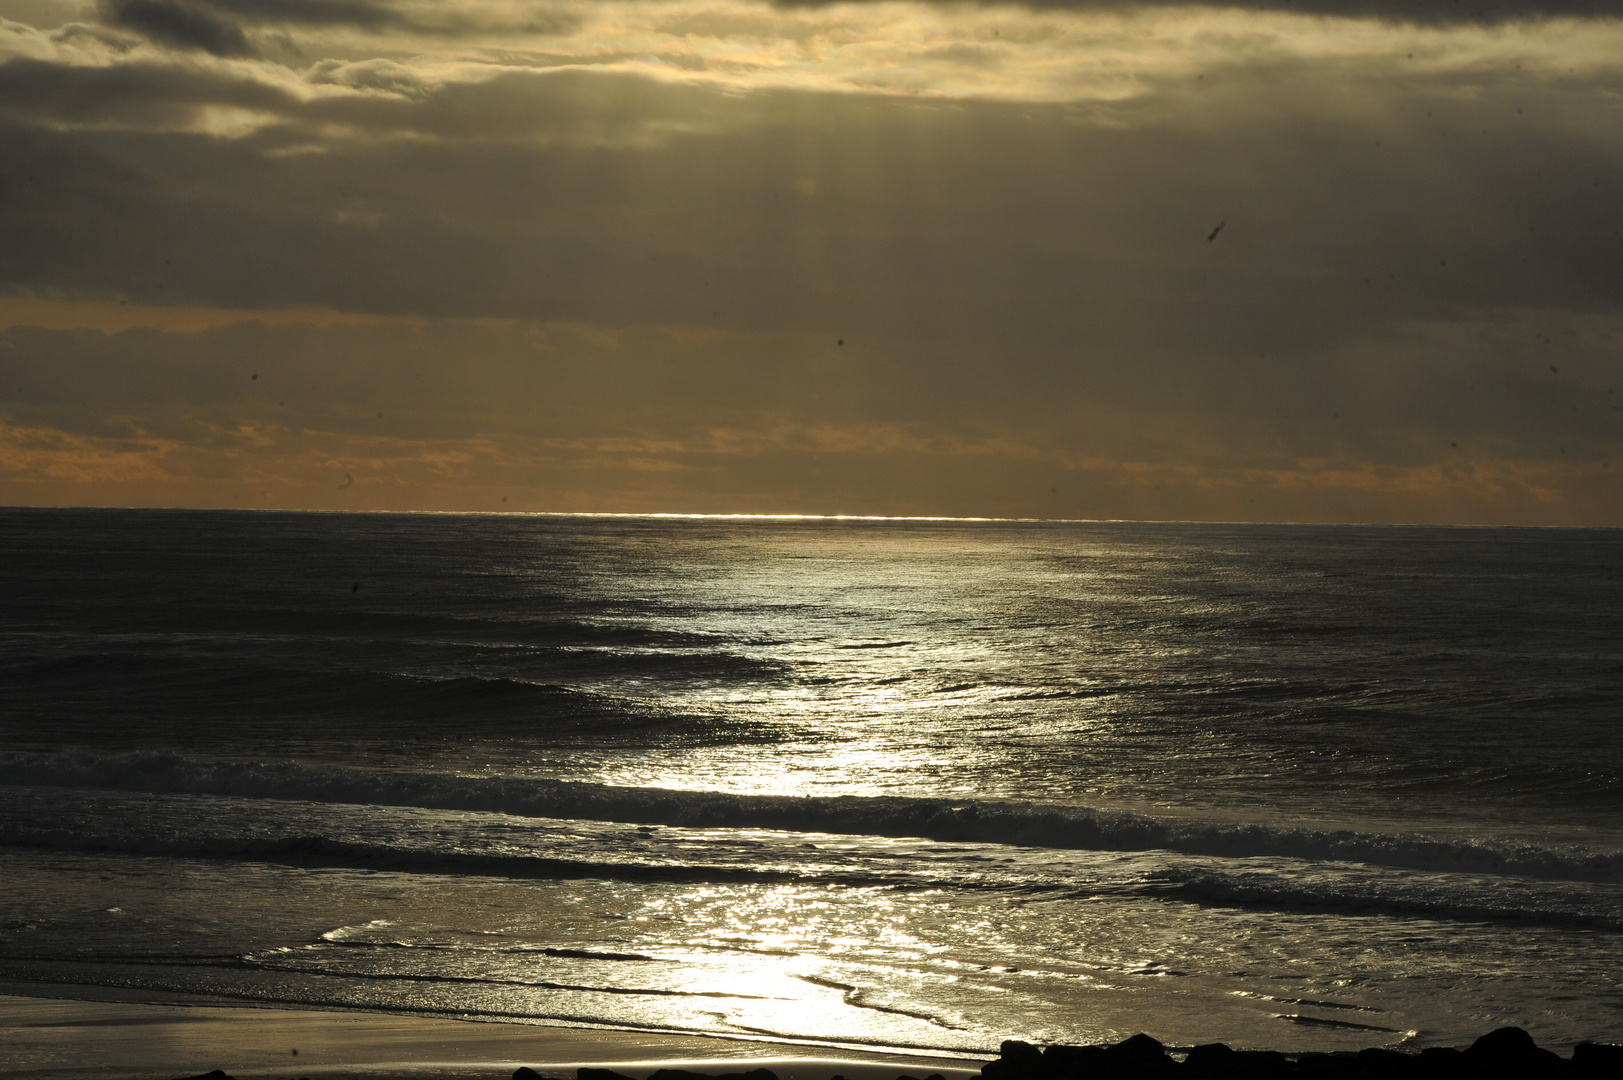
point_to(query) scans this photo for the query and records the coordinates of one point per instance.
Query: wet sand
(60, 1039)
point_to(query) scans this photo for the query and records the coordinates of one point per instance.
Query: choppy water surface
(911, 783)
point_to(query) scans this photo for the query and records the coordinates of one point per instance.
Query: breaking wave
(952, 820)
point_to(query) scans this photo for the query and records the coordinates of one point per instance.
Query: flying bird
(1215, 231)
(348, 480)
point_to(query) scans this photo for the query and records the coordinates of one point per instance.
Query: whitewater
(924, 784)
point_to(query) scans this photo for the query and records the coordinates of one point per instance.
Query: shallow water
(907, 783)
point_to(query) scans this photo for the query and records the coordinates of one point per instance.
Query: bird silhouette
(348, 480)
(1215, 231)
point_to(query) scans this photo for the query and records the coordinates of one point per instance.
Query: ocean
(925, 784)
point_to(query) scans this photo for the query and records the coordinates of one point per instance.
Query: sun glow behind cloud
(894, 258)
(997, 53)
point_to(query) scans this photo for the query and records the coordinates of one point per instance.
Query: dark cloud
(357, 13)
(448, 20)
(591, 281)
(568, 196)
(217, 26)
(178, 24)
(1403, 12)
(142, 94)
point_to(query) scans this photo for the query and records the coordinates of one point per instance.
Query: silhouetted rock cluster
(1506, 1054)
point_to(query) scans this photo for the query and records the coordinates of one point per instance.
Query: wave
(140, 667)
(309, 623)
(545, 620)
(951, 820)
(323, 851)
(1477, 898)
(87, 691)
(1474, 898)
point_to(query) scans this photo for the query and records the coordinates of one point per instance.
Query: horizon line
(675, 515)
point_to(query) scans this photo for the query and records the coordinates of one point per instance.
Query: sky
(1282, 260)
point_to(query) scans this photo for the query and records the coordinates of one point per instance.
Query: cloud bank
(884, 257)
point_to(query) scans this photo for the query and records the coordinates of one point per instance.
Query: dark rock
(1208, 1052)
(1379, 1062)
(684, 1074)
(1219, 1061)
(1261, 1063)
(1442, 1063)
(212, 1074)
(1539, 1063)
(1022, 1055)
(1210, 1059)
(1140, 1048)
(1511, 1052)
(1019, 1061)
(524, 1072)
(1336, 1066)
(1508, 1053)
(1140, 1056)
(1502, 1042)
(1598, 1059)
(1061, 1062)
(599, 1074)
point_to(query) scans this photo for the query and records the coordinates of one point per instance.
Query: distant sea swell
(1373, 769)
(1484, 898)
(953, 820)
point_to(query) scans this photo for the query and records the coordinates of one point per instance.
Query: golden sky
(1286, 260)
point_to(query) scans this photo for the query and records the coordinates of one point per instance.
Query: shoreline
(68, 1032)
(78, 1032)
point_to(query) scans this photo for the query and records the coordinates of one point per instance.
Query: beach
(54, 1038)
(95, 1038)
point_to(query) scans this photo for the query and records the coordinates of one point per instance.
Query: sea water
(902, 783)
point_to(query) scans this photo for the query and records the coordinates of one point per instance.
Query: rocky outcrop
(1506, 1054)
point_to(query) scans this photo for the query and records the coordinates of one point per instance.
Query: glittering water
(910, 783)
